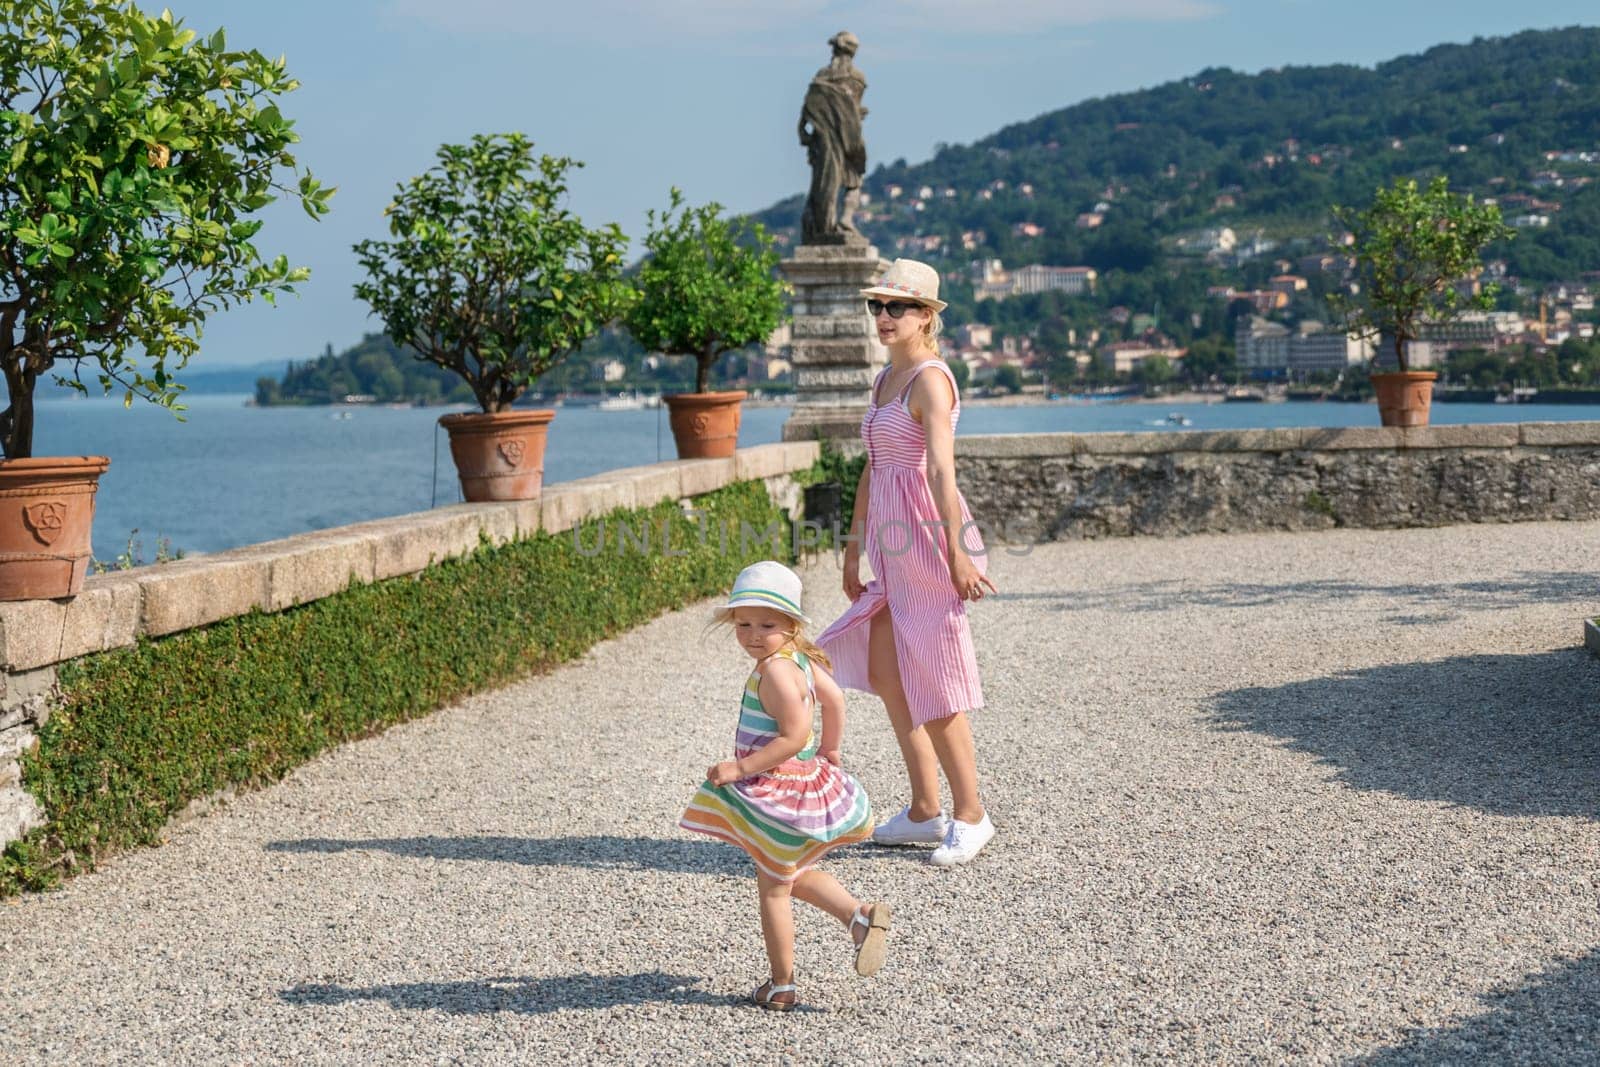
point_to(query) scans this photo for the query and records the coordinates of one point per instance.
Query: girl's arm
(935, 397)
(831, 697)
(783, 696)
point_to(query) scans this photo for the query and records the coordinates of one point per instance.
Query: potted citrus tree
(708, 285)
(487, 274)
(134, 154)
(1418, 252)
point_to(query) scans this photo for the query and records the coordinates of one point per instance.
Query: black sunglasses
(895, 308)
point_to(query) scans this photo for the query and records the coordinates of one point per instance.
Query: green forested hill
(375, 367)
(1271, 150)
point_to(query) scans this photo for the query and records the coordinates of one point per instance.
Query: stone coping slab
(115, 610)
(1287, 439)
(1591, 635)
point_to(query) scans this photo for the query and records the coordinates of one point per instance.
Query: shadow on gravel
(598, 853)
(1549, 1020)
(1423, 603)
(1509, 735)
(526, 996)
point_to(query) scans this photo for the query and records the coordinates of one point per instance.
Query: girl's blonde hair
(797, 637)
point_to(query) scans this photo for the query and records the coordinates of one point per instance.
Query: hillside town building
(991, 281)
(1267, 349)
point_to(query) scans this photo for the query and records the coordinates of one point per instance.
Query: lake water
(232, 475)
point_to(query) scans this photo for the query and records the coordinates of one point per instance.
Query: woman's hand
(852, 573)
(723, 773)
(967, 579)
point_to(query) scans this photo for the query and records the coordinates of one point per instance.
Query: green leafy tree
(1007, 376)
(962, 372)
(133, 153)
(486, 273)
(1413, 247)
(1208, 358)
(709, 285)
(1153, 371)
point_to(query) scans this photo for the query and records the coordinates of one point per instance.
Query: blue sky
(704, 94)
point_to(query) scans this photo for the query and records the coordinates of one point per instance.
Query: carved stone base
(835, 351)
(838, 423)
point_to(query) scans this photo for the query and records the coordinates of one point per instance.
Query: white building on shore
(991, 281)
(1267, 347)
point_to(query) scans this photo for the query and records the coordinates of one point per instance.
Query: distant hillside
(1504, 117)
(375, 367)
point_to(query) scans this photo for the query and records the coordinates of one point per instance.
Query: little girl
(784, 798)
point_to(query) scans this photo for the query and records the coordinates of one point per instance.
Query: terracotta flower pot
(705, 425)
(1404, 397)
(499, 456)
(46, 510)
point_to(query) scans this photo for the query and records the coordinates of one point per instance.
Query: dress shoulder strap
(801, 660)
(955, 390)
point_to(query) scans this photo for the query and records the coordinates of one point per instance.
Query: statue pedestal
(835, 349)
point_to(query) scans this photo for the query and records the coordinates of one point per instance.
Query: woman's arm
(933, 396)
(783, 696)
(831, 697)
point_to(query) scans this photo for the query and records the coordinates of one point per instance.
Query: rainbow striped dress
(787, 818)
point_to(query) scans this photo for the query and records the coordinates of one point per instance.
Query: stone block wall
(1051, 487)
(116, 610)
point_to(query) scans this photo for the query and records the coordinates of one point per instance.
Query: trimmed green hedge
(143, 731)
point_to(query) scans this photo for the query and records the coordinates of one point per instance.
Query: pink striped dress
(911, 578)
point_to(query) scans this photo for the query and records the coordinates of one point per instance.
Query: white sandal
(764, 995)
(873, 946)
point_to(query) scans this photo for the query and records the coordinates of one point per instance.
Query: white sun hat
(909, 278)
(768, 584)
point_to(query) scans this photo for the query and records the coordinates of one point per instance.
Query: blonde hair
(932, 329)
(797, 637)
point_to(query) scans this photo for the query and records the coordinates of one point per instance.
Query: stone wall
(117, 610)
(1051, 487)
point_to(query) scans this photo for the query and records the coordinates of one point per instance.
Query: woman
(905, 635)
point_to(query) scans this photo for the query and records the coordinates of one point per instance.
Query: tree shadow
(1551, 1019)
(525, 996)
(1435, 602)
(603, 852)
(1508, 735)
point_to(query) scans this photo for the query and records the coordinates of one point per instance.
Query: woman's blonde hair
(797, 637)
(932, 329)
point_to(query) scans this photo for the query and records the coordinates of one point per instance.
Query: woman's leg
(777, 927)
(883, 672)
(951, 739)
(823, 891)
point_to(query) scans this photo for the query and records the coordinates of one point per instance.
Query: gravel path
(1254, 805)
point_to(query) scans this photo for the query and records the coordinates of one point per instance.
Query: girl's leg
(922, 765)
(823, 891)
(777, 927)
(869, 935)
(951, 739)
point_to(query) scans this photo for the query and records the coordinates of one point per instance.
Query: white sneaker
(964, 841)
(904, 830)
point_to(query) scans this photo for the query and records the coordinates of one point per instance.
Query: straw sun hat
(910, 280)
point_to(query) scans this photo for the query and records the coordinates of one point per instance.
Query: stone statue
(830, 129)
